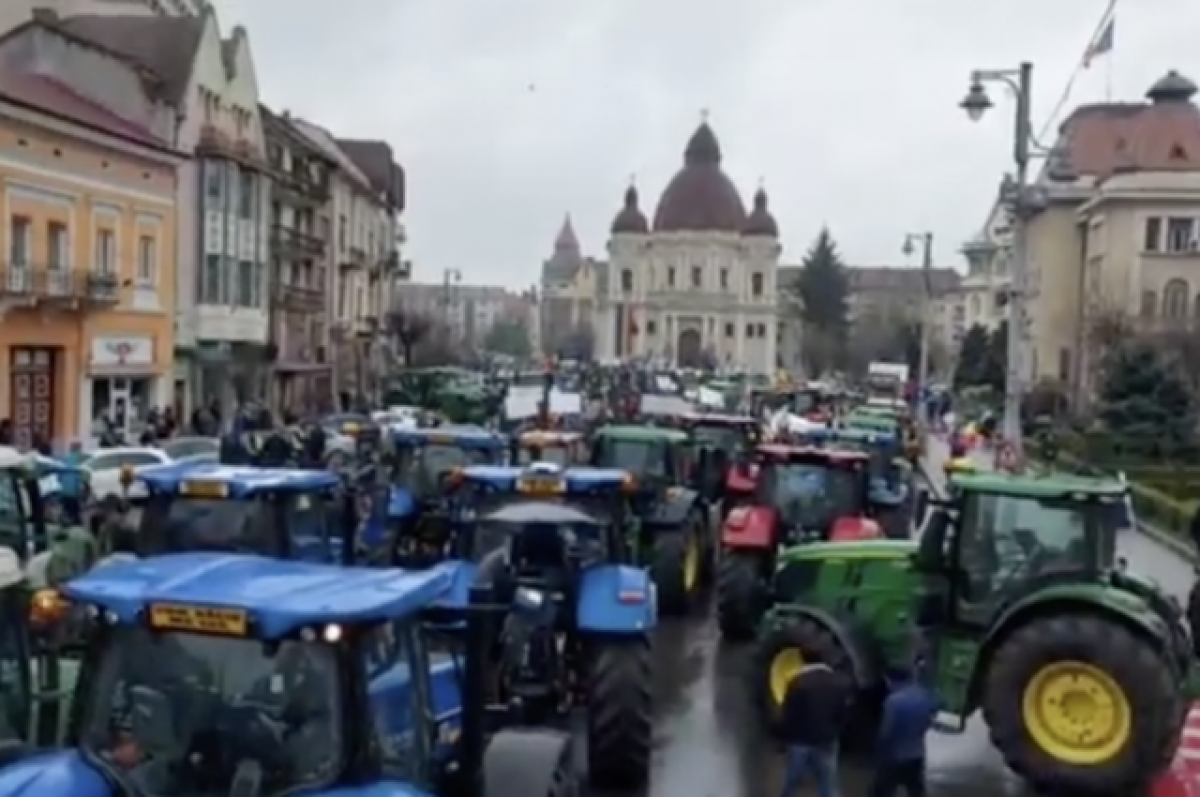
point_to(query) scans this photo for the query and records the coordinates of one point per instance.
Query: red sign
(1183, 778)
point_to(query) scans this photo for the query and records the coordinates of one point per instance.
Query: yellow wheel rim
(785, 667)
(1076, 713)
(691, 565)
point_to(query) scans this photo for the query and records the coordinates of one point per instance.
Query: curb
(1172, 542)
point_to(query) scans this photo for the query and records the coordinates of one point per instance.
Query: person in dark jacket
(815, 712)
(909, 712)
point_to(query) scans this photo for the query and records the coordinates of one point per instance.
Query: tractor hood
(64, 774)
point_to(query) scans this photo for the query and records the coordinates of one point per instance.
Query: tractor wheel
(1098, 707)
(619, 713)
(741, 595)
(781, 654)
(703, 532)
(676, 568)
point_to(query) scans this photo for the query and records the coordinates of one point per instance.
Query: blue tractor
(416, 524)
(289, 514)
(551, 542)
(220, 674)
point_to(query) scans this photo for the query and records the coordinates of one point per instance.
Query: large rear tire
(1082, 705)
(675, 551)
(741, 595)
(619, 708)
(778, 658)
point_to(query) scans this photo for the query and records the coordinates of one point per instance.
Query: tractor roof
(719, 419)
(277, 597)
(641, 434)
(550, 479)
(473, 437)
(213, 480)
(785, 452)
(1031, 485)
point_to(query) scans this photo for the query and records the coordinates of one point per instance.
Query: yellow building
(87, 287)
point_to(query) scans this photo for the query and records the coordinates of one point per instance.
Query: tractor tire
(667, 567)
(707, 539)
(1144, 698)
(741, 595)
(619, 708)
(803, 638)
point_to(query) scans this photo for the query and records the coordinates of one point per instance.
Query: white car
(104, 465)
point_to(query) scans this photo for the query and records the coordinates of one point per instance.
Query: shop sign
(122, 352)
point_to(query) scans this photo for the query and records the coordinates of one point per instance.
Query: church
(696, 286)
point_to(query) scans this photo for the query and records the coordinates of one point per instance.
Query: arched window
(1175, 299)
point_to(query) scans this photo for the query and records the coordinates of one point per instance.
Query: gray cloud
(507, 115)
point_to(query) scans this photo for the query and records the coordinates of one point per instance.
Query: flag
(1102, 44)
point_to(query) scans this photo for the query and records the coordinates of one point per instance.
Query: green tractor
(1012, 603)
(674, 537)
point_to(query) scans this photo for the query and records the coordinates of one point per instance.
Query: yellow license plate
(351, 428)
(204, 489)
(200, 619)
(541, 486)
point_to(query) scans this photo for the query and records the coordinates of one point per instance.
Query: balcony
(297, 297)
(354, 258)
(294, 244)
(35, 285)
(224, 323)
(298, 188)
(214, 142)
(365, 326)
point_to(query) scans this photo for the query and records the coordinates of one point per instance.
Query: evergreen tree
(994, 368)
(822, 293)
(973, 353)
(1145, 401)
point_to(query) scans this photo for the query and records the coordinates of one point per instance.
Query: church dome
(760, 221)
(630, 220)
(700, 197)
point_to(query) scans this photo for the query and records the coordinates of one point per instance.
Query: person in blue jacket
(909, 711)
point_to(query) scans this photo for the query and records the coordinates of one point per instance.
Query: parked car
(104, 465)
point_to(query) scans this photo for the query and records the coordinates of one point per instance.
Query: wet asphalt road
(708, 743)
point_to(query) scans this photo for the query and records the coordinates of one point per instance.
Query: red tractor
(798, 495)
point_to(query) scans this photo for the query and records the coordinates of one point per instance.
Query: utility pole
(1025, 201)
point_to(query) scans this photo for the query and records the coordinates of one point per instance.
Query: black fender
(528, 761)
(865, 660)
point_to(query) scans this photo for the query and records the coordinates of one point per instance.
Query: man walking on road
(814, 714)
(909, 712)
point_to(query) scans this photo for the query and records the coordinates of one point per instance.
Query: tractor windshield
(1009, 540)
(642, 458)
(179, 713)
(231, 525)
(543, 534)
(426, 467)
(810, 495)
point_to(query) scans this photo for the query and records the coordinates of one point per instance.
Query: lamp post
(925, 241)
(451, 277)
(1024, 201)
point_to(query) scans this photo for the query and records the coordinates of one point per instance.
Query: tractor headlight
(529, 600)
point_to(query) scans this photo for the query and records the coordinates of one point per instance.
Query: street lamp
(925, 241)
(1025, 201)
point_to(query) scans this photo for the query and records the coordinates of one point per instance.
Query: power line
(1105, 18)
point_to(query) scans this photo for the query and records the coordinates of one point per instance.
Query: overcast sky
(506, 115)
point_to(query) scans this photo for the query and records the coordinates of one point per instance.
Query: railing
(52, 283)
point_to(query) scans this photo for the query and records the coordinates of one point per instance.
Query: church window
(697, 277)
(671, 277)
(729, 330)
(756, 284)
(651, 328)
(761, 331)
(724, 279)
(749, 330)
(627, 281)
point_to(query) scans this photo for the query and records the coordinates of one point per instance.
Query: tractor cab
(288, 514)
(721, 441)
(239, 675)
(657, 457)
(418, 468)
(565, 449)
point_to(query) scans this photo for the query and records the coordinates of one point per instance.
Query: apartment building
(467, 313)
(300, 247)
(17, 12)
(88, 286)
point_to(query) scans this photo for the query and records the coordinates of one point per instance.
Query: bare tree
(409, 329)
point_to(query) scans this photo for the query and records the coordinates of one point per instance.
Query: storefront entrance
(122, 403)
